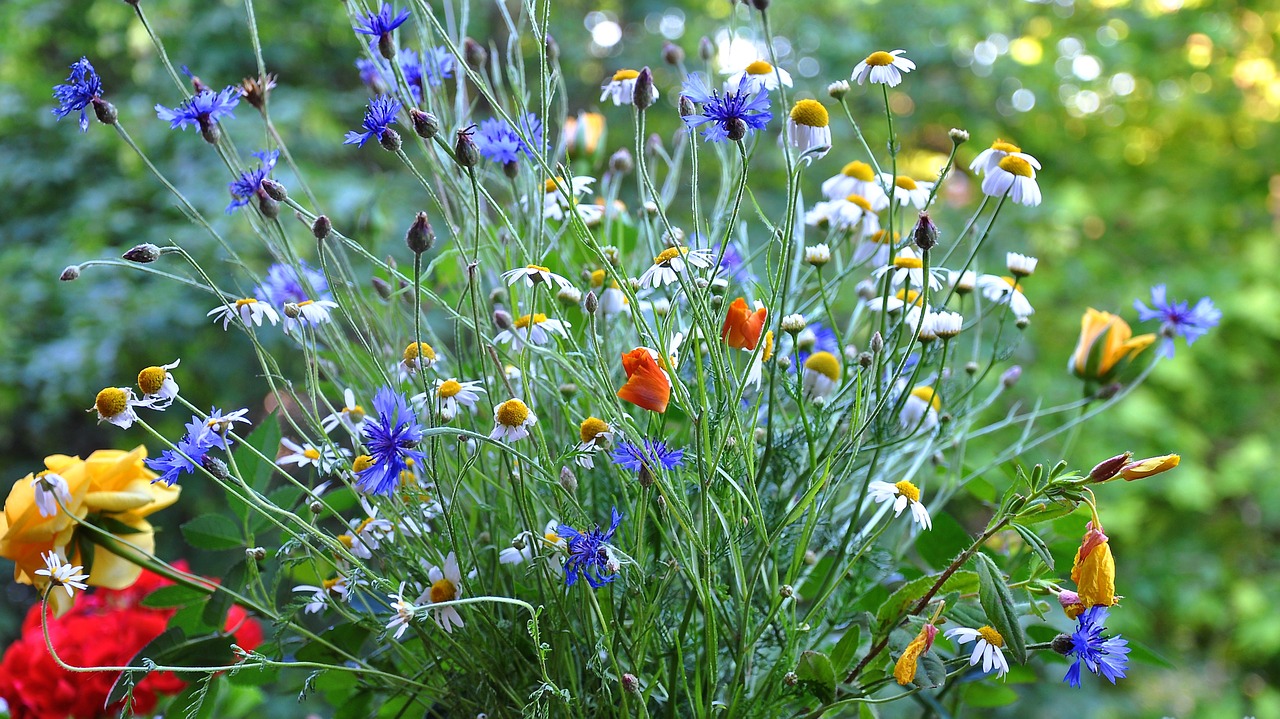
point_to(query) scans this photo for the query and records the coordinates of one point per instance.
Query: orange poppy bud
(742, 327)
(647, 386)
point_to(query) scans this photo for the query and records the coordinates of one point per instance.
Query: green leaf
(347, 637)
(817, 675)
(842, 655)
(930, 671)
(1037, 544)
(215, 611)
(1043, 511)
(986, 694)
(997, 602)
(174, 595)
(902, 599)
(213, 532)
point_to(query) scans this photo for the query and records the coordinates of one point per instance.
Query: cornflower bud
(381, 287)
(630, 684)
(568, 481)
(876, 344)
(865, 359)
(925, 233)
(390, 140)
(790, 679)
(502, 319)
(706, 50)
(760, 5)
(215, 466)
(104, 111)
(474, 54)
(642, 98)
(1011, 376)
(672, 54)
(511, 169)
(786, 591)
(143, 254)
(72, 272)
(465, 151)
(425, 124)
(420, 236)
(321, 228)
(685, 106)
(592, 303)
(621, 161)
(275, 190)
(269, 208)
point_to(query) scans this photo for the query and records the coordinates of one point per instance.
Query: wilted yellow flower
(905, 670)
(1095, 569)
(584, 133)
(1152, 465)
(1106, 346)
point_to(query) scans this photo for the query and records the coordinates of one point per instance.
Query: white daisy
(760, 74)
(533, 329)
(856, 178)
(1005, 289)
(883, 67)
(846, 213)
(446, 586)
(595, 434)
(920, 409)
(419, 355)
(908, 269)
(449, 395)
(158, 386)
(249, 310)
(809, 127)
(48, 489)
(511, 421)
(403, 613)
(874, 248)
(944, 324)
(907, 301)
(987, 650)
(307, 312)
(320, 595)
(672, 262)
(533, 275)
(351, 416)
(220, 424)
(67, 576)
(821, 375)
(367, 535)
(115, 405)
(908, 191)
(1013, 176)
(902, 495)
(1020, 265)
(963, 282)
(990, 158)
(621, 88)
(520, 551)
(327, 460)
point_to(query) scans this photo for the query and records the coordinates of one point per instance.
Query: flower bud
(620, 162)
(269, 208)
(630, 684)
(644, 477)
(706, 50)
(786, 591)
(257, 554)
(784, 362)
(275, 190)
(760, 5)
(502, 319)
(1063, 644)
(876, 344)
(71, 273)
(971, 368)
(292, 310)
(321, 227)
(1109, 468)
(498, 296)
(1022, 323)
(672, 54)
(1011, 376)
(644, 90)
(791, 679)
(387, 46)
(865, 359)
(465, 151)
(390, 140)
(104, 111)
(958, 136)
(425, 124)
(866, 290)
(925, 233)
(381, 287)
(215, 466)
(420, 236)
(568, 481)
(653, 145)
(591, 303)
(143, 254)
(316, 507)
(474, 54)
(1147, 467)
(838, 89)
(761, 434)
(569, 296)
(553, 49)
(736, 128)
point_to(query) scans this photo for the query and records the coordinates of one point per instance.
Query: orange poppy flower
(647, 386)
(742, 327)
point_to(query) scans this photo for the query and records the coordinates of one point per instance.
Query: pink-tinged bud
(1067, 598)
(1011, 376)
(1152, 465)
(474, 54)
(1109, 468)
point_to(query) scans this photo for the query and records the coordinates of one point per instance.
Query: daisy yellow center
(552, 184)
(992, 636)
(245, 302)
(151, 379)
(759, 67)
(1006, 147)
(597, 278)
(418, 349)
(551, 538)
(355, 414)
(825, 364)
(524, 321)
(670, 254)
(908, 490)
(926, 394)
(1011, 281)
(860, 201)
(1015, 165)
(879, 59)
(304, 303)
(905, 182)
(448, 388)
(810, 113)
(347, 540)
(442, 590)
(512, 413)
(859, 171)
(363, 525)
(591, 428)
(329, 584)
(625, 74)
(111, 401)
(911, 297)
(908, 262)
(362, 463)
(882, 237)
(311, 453)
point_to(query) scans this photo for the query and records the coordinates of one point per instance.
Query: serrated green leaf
(818, 676)
(997, 602)
(174, 595)
(1037, 544)
(212, 532)
(904, 597)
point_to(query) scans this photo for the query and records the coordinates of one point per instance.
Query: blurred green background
(1155, 122)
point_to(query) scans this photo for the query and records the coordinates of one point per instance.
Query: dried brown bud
(104, 111)
(256, 89)
(420, 236)
(321, 227)
(465, 151)
(275, 190)
(143, 254)
(925, 233)
(71, 273)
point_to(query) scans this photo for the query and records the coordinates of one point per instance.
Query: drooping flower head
(904, 670)
(82, 88)
(1015, 176)
(392, 438)
(249, 184)
(809, 127)
(987, 649)
(287, 283)
(650, 453)
(202, 109)
(1094, 571)
(728, 115)
(590, 555)
(1178, 319)
(378, 118)
(498, 140)
(1107, 657)
(1106, 346)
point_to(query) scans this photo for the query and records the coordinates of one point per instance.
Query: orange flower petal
(647, 386)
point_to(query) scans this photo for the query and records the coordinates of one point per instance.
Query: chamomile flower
(326, 459)
(989, 159)
(669, 264)
(158, 386)
(908, 191)
(307, 312)
(759, 73)
(886, 68)
(821, 375)
(1014, 176)
(534, 275)
(621, 88)
(817, 255)
(1020, 265)
(115, 405)
(963, 282)
(613, 301)
(847, 213)
(901, 495)
(908, 269)
(1002, 290)
(987, 650)
(855, 178)
(595, 434)
(446, 586)
(62, 574)
(523, 544)
(920, 409)
(874, 248)
(48, 488)
(561, 196)
(908, 301)
(809, 127)
(320, 595)
(511, 421)
(944, 324)
(249, 310)
(450, 394)
(219, 426)
(351, 415)
(402, 613)
(368, 534)
(535, 329)
(418, 355)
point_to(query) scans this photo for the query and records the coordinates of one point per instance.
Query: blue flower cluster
(589, 554)
(201, 437)
(728, 115)
(245, 187)
(391, 439)
(285, 283)
(1178, 319)
(202, 109)
(378, 118)
(430, 68)
(83, 86)
(498, 140)
(1107, 657)
(653, 453)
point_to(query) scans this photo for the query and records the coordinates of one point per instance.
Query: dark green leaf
(997, 602)
(905, 597)
(930, 672)
(1037, 544)
(212, 531)
(845, 648)
(1043, 511)
(817, 675)
(944, 542)
(174, 595)
(347, 637)
(215, 611)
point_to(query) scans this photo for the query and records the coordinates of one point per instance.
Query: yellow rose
(1105, 347)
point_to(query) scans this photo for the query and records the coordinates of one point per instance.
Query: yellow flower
(1144, 468)
(905, 670)
(112, 483)
(1095, 569)
(584, 133)
(1106, 346)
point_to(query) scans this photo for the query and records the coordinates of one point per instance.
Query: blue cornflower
(728, 115)
(246, 187)
(202, 109)
(382, 22)
(391, 439)
(634, 456)
(590, 554)
(191, 450)
(286, 283)
(1178, 319)
(83, 87)
(378, 118)
(374, 74)
(734, 264)
(499, 142)
(1107, 658)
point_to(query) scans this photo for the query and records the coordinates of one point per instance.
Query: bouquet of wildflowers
(613, 428)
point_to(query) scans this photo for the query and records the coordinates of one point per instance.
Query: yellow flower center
(859, 171)
(879, 59)
(759, 67)
(670, 254)
(442, 590)
(245, 302)
(625, 74)
(925, 393)
(552, 184)
(551, 538)
(1006, 147)
(908, 490)
(525, 320)
(908, 262)
(905, 182)
(355, 414)
(767, 353)
(363, 525)
(810, 113)
(537, 268)
(1011, 281)
(111, 401)
(882, 237)
(346, 539)
(910, 297)
(362, 463)
(1015, 165)
(824, 363)
(418, 349)
(591, 428)
(448, 388)
(860, 201)
(151, 379)
(304, 303)
(329, 584)
(311, 453)
(992, 636)
(597, 278)
(512, 413)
